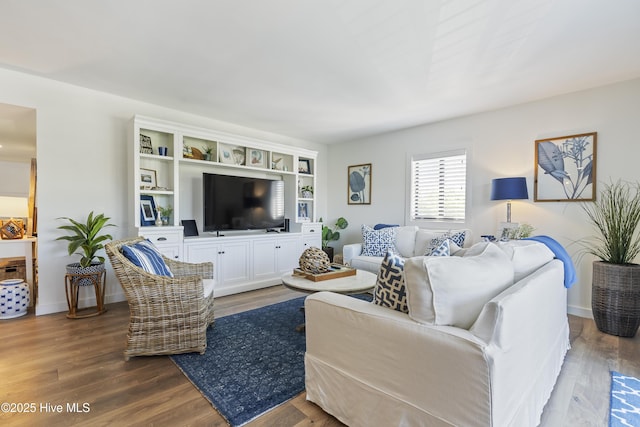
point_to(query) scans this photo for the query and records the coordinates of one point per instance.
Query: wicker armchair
(168, 315)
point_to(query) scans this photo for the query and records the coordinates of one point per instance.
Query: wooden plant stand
(73, 283)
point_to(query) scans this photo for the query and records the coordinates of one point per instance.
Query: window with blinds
(438, 186)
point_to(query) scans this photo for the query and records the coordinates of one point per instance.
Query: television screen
(242, 203)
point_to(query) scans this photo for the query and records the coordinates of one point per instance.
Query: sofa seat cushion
(145, 255)
(453, 290)
(390, 289)
(378, 242)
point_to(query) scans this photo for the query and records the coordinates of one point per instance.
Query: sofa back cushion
(406, 240)
(453, 290)
(390, 288)
(526, 255)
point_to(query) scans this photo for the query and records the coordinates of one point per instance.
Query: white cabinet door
(264, 258)
(233, 258)
(288, 252)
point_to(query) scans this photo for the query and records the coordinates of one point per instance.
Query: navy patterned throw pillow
(457, 238)
(378, 242)
(390, 290)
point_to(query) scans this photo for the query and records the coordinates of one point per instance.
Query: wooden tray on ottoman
(337, 270)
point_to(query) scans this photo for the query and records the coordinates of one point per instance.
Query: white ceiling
(325, 70)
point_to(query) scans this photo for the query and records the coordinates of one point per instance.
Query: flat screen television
(242, 203)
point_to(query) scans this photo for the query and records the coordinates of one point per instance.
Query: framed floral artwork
(359, 184)
(565, 169)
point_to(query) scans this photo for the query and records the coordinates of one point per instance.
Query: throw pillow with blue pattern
(378, 242)
(390, 290)
(146, 256)
(457, 238)
(443, 250)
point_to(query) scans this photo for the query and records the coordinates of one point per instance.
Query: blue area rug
(625, 400)
(254, 361)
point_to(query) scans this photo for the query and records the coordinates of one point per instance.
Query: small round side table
(72, 284)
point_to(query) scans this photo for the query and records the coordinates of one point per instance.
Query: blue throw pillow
(381, 226)
(378, 242)
(146, 256)
(390, 290)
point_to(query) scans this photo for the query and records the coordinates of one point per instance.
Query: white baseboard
(580, 311)
(59, 307)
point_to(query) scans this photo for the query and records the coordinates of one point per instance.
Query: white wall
(500, 144)
(82, 159)
(14, 179)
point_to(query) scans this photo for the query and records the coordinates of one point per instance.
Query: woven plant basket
(615, 298)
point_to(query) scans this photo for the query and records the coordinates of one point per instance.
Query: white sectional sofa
(482, 345)
(410, 241)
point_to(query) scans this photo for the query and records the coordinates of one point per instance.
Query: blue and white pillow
(457, 238)
(390, 290)
(378, 242)
(144, 255)
(443, 250)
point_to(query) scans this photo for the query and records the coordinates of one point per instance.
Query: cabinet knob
(161, 239)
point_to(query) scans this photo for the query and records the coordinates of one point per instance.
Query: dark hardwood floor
(51, 366)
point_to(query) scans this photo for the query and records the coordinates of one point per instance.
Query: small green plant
(85, 238)
(329, 235)
(308, 188)
(165, 212)
(207, 149)
(522, 231)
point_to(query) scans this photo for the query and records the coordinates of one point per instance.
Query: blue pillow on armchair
(144, 255)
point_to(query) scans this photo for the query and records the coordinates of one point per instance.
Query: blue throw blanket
(560, 253)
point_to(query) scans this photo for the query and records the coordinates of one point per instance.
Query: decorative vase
(165, 220)
(158, 221)
(306, 194)
(615, 298)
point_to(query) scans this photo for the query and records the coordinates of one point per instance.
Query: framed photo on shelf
(256, 158)
(147, 210)
(145, 144)
(359, 184)
(565, 169)
(304, 166)
(148, 179)
(232, 155)
(303, 211)
(11, 229)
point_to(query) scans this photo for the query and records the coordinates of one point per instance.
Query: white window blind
(438, 186)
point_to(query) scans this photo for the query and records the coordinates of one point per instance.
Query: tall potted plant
(332, 234)
(615, 299)
(85, 240)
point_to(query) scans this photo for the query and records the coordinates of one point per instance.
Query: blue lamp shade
(509, 188)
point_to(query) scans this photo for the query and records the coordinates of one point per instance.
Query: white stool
(14, 298)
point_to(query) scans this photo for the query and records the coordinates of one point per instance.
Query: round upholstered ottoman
(14, 298)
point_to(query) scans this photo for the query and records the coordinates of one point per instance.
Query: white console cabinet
(312, 235)
(243, 263)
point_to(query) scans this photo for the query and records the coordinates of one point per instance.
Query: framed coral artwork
(565, 169)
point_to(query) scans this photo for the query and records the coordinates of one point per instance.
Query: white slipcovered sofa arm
(350, 251)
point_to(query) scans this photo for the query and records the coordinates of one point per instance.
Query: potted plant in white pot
(85, 240)
(615, 291)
